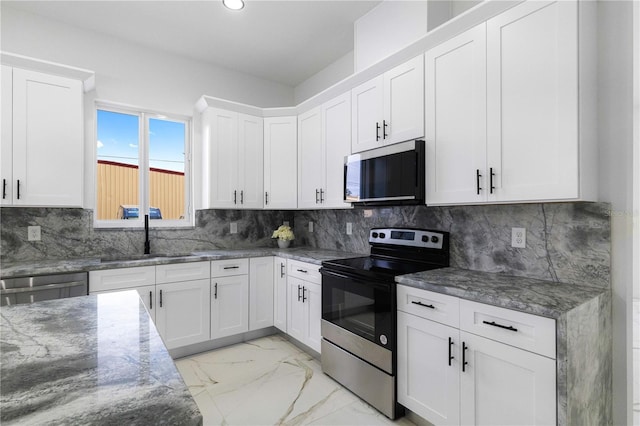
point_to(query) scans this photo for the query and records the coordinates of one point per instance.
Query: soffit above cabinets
(281, 41)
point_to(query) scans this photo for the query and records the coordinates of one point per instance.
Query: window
(142, 167)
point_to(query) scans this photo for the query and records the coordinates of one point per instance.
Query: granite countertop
(304, 254)
(89, 360)
(545, 298)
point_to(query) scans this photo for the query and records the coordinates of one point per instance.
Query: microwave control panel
(407, 237)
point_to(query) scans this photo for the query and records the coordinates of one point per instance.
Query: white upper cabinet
(324, 135)
(42, 139)
(280, 163)
(234, 142)
(389, 108)
(519, 80)
(455, 93)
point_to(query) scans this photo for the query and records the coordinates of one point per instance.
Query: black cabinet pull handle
(161, 298)
(242, 197)
(317, 192)
(321, 196)
(377, 131)
(150, 300)
(235, 196)
(4, 189)
(478, 176)
(231, 267)
(304, 289)
(215, 291)
(422, 304)
(302, 270)
(384, 129)
(506, 327)
(450, 345)
(464, 356)
(299, 297)
(282, 270)
(18, 189)
(491, 175)
(266, 198)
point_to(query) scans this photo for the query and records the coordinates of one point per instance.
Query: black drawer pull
(231, 267)
(506, 327)
(302, 270)
(422, 304)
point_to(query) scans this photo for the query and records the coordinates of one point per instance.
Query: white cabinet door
(295, 309)
(220, 130)
(48, 136)
(455, 96)
(250, 162)
(6, 141)
(367, 115)
(280, 163)
(280, 293)
(336, 135)
(312, 308)
(532, 102)
(310, 159)
(404, 102)
(229, 305)
(429, 369)
(182, 314)
(503, 385)
(260, 292)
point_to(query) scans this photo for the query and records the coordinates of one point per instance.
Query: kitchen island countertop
(89, 360)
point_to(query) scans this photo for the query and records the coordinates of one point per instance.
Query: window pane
(166, 169)
(118, 171)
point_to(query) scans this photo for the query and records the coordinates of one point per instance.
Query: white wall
(615, 134)
(133, 74)
(339, 70)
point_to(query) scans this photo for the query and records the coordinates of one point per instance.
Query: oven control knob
(374, 234)
(382, 235)
(434, 239)
(425, 238)
(383, 339)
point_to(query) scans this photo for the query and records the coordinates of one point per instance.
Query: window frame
(144, 115)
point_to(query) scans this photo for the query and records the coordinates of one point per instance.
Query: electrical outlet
(310, 226)
(233, 229)
(33, 233)
(518, 237)
(349, 228)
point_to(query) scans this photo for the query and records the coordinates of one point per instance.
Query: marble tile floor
(269, 381)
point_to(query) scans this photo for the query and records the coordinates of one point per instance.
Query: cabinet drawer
(178, 272)
(305, 271)
(519, 329)
(114, 279)
(427, 304)
(229, 267)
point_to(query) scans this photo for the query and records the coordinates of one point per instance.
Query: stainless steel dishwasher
(42, 287)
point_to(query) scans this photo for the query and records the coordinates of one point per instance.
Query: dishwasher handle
(42, 287)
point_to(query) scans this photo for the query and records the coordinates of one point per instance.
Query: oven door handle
(370, 282)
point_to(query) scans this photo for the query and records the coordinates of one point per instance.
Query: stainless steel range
(359, 310)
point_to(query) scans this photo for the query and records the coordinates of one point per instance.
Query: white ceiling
(282, 41)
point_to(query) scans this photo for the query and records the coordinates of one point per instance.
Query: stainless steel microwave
(391, 175)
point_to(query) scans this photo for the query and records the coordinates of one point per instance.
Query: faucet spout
(147, 244)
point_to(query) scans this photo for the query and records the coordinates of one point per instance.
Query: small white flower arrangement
(283, 233)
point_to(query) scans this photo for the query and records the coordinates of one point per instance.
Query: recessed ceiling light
(233, 4)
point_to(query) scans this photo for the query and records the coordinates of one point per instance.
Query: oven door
(363, 307)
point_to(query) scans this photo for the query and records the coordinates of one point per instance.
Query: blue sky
(118, 140)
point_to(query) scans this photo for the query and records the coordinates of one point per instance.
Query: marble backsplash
(69, 234)
(565, 242)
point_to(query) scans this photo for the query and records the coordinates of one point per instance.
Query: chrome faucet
(147, 245)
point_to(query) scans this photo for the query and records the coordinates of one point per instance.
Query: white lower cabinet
(304, 303)
(260, 292)
(182, 315)
(229, 305)
(280, 293)
(451, 376)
